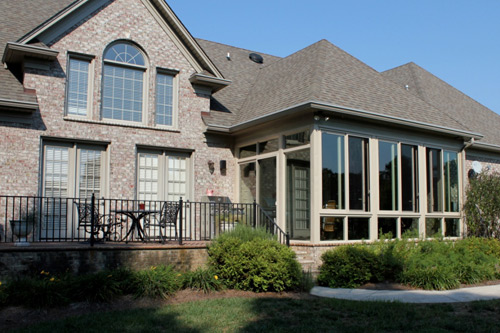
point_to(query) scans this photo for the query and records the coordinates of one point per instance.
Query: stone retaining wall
(16, 262)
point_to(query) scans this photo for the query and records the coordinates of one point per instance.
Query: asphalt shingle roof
(446, 98)
(321, 72)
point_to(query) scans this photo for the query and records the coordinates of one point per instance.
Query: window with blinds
(78, 86)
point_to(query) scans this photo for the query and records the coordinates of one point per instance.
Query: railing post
(287, 236)
(254, 213)
(180, 221)
(92, 220)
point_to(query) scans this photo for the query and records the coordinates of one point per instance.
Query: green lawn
(289, 315)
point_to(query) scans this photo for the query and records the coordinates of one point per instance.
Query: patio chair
(167, 218)
(104, 226)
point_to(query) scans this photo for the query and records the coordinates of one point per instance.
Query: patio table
(136, 215)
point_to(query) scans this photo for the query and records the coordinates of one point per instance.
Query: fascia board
(18, 105)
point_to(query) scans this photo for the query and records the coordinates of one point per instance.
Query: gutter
(315, 105)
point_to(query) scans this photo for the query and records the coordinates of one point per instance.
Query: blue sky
(456, 40)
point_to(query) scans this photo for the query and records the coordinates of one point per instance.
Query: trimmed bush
(349, 267)
(250, 259)
(156, 282)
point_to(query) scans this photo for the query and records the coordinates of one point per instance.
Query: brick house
(116, 98)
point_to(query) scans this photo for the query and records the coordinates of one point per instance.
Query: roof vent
(257, 58)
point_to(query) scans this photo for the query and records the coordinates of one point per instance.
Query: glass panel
(248, 183)
(333, 171)
(451, 181)
(248, 151)
(432, 227)
(358, 228)
(409, 227)
(298, 194)
(90, 173)
(267, 186)
(388, 175)
(55, 185)
(358, 173)
(164, 99)
(452, 227)
(148, 177)
(434, 183)
(387, 227)
(122, 93)
(78, 84)
(332, 228)
(177, 178)
(298, 139)
(268, 146)
(125, 53)
(409, 178)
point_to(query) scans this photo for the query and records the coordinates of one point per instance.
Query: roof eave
(214, 83)
(321, 106)
(25, 107)
(485, 146)
(16, 52)
(395, 120)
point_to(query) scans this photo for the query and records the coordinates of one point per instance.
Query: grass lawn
(288, 315)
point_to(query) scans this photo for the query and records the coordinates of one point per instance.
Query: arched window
(123, 82)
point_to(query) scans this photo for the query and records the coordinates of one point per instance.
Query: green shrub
(156, 282)
(39, 292)
(251, 260)
(306, 282)
(3, 294)
(349, 267)
(205, 280)
(482, 207)
(98, 287)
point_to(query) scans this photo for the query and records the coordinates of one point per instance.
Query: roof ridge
(236, 47)
(420, 92)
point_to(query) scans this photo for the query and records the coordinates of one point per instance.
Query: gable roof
(23, 26)
(321, 74)
(448, 99)
(16, 21)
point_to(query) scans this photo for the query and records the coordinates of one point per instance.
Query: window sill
(110, 123)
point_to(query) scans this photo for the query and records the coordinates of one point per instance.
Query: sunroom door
(267, 186)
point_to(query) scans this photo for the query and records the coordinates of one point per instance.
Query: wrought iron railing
(25, 219)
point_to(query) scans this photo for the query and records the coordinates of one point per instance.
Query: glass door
(267, 186)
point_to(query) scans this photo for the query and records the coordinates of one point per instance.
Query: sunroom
(328, 178)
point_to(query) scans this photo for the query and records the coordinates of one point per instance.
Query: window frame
(175, 96)
(90, 83)
(145, 82)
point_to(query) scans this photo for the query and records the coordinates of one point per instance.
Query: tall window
(334, 182)
(358, 173)
(388, 175)
(333, 171)
(163, 176)
(434, 181)
(451, 193)
(123, 76)
(77, 86)
(164, 99)
(409, 178)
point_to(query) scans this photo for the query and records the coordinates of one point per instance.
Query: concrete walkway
(411, 296)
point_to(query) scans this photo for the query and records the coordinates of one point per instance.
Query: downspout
(466, 145)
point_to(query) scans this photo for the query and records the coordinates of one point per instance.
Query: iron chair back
(167, 218)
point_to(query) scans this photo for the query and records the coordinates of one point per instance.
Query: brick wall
(21, 149)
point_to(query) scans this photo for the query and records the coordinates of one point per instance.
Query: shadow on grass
(289, 315)
(327, 315)
(139, 320)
